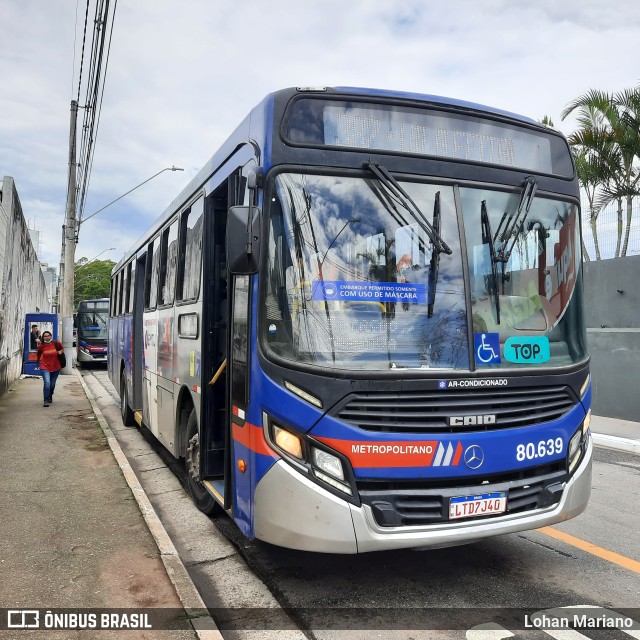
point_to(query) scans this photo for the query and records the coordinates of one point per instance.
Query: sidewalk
(72, 535)
(614, 433)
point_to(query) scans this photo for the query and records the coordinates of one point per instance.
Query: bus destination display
(433, 134)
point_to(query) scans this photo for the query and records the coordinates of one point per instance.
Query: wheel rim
(123, 398)
(193, 459)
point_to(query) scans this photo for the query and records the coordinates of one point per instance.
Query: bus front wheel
(201, 497)
(125, 410)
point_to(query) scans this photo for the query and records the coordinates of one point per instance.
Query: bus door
(217, 300)
(242, 459)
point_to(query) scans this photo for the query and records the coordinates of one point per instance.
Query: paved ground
(71, 533)
(623, 435)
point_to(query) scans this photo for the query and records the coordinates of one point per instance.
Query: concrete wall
(612, 305)
(22, 285)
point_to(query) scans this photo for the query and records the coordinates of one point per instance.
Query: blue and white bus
(361, 324)
(91, 328)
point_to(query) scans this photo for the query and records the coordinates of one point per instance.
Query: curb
(615, 442)
(201, 621)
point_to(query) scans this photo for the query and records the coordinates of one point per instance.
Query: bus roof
(92, 303)
(433, 99)
(241, 135)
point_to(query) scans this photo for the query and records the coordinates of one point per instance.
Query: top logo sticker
(527, 349)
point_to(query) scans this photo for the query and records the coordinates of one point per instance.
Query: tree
(608, 140)
(628, 102)
(593, 155)
(92, 279)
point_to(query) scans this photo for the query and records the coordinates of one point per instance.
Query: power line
(95, 86)
(84, 36)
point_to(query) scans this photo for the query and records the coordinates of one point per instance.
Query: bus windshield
(92, 325)
(532, 291)
(355, 281)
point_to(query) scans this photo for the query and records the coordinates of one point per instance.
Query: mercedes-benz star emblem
(474, 457)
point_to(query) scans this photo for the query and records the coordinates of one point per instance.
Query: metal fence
(607, 226)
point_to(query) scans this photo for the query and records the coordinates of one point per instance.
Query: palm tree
(593, 153)
(628, 102)
(609, 140)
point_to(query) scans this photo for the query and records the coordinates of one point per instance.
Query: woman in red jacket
(49, 364)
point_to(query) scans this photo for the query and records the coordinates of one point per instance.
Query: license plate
(485, 504)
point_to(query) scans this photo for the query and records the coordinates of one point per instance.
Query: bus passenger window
(122, 293)
(112, 299)
(188, 286)
(151, 288)
(116, 307)
(168, 264)
(132, 287)
(127, 291)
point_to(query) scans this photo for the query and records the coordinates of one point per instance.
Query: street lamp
(81, 221)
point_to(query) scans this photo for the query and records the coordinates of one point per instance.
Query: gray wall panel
(612, 306)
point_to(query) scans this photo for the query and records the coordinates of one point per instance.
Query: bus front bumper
(294, 512)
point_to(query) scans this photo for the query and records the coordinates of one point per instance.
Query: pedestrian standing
(34, 337)
(49, 364)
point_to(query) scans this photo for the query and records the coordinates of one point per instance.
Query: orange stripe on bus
(252, 437)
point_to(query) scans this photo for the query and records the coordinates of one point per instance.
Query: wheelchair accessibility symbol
(487, 348)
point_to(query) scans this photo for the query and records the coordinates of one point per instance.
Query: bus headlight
(329, 469)
(577, 443)
(328, 463)
(585, 386)
(587, 423)
(325, 467)
(288, 442)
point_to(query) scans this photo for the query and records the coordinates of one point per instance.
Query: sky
(182, 75)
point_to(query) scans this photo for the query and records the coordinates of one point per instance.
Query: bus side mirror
(243, 240)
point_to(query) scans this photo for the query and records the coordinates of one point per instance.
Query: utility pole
(69, 247)
(60, 276)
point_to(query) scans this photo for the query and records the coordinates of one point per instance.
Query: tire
(201, 497)
(125, 410)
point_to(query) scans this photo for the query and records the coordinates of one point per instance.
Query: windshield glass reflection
(530, 300)
(353, 281)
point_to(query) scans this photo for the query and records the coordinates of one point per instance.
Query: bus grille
(429, 411)
(405, 504)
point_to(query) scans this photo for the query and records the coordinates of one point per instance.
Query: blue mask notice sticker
(362, 291)
(527, 349)
(486, 346)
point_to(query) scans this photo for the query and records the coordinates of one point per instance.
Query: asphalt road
(484, 591)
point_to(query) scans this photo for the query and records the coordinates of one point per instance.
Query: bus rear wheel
(201, 497)
(125, 410)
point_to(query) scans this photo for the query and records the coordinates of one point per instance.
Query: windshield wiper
(507, 234)
(487, 238)
(514, 224)
(434, 263)
(397, 194)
